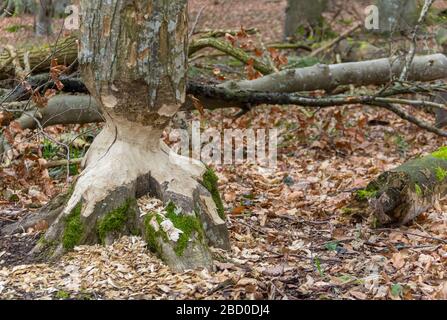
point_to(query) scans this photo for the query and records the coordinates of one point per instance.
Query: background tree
(44, 17)
(303, 15)
(397, 15)
(16, 7)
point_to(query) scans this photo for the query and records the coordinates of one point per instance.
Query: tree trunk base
(102, 205)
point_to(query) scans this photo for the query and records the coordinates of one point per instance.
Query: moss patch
(441, 153)
(62, 295)
(188, 224)
(368, 193)
(441, 174)
(151, 234)
(74, 229)
(210, 183)
(114, 220)
(418, 189)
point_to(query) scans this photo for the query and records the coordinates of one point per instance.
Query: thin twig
(336, 40)
(410, 56)
(196, 21)
(410, 234)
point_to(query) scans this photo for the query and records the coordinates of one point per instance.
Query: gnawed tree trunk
(44, 17)
(302, 15)
(133, 60)
(400, 195)
(397, 15)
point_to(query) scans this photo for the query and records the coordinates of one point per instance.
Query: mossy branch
(227, 48)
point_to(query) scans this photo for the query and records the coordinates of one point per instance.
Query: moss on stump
(400, 195)
(189, 225)
(116, 220)
(210, 181)
(74, 228)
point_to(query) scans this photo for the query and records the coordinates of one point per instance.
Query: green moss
(368, 193)
(62, 295)
(441, 174)
(187, 223)
(210, 183)
(418, 189)
(441, 153)
(14, 28)
(114, 220)
(347, 210)
(74, 228)
(44, 242)
(151, 234)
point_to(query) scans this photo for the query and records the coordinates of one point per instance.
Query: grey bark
(303, 13)
(397, 15)
(59, 7)
(62, 110)
(133, 61)
(328, 77)
(44, 17)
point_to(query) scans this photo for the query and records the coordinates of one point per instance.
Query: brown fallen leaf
(358, 295)
(238, 210)
(398, 260)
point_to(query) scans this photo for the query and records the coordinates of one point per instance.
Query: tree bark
(328, 77)
(303, 14)
(44, 18)
(133, 60)
(397, 15)
(398, 196)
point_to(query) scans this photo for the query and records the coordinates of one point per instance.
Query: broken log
(400, 195)
(39, 57)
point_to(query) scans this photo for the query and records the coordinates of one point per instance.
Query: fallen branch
(412, 119)
(61, 163)
(217, 33)
(328, 77)
(64, 109)
(411, 234)
(66, 51)
(342, 36)
(39, 58)
(230, 50)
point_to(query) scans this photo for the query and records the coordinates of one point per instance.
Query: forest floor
(291, 237)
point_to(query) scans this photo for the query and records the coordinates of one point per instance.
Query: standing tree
(133, 59)
(397, 15)
(303, 14)
(44, 17)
